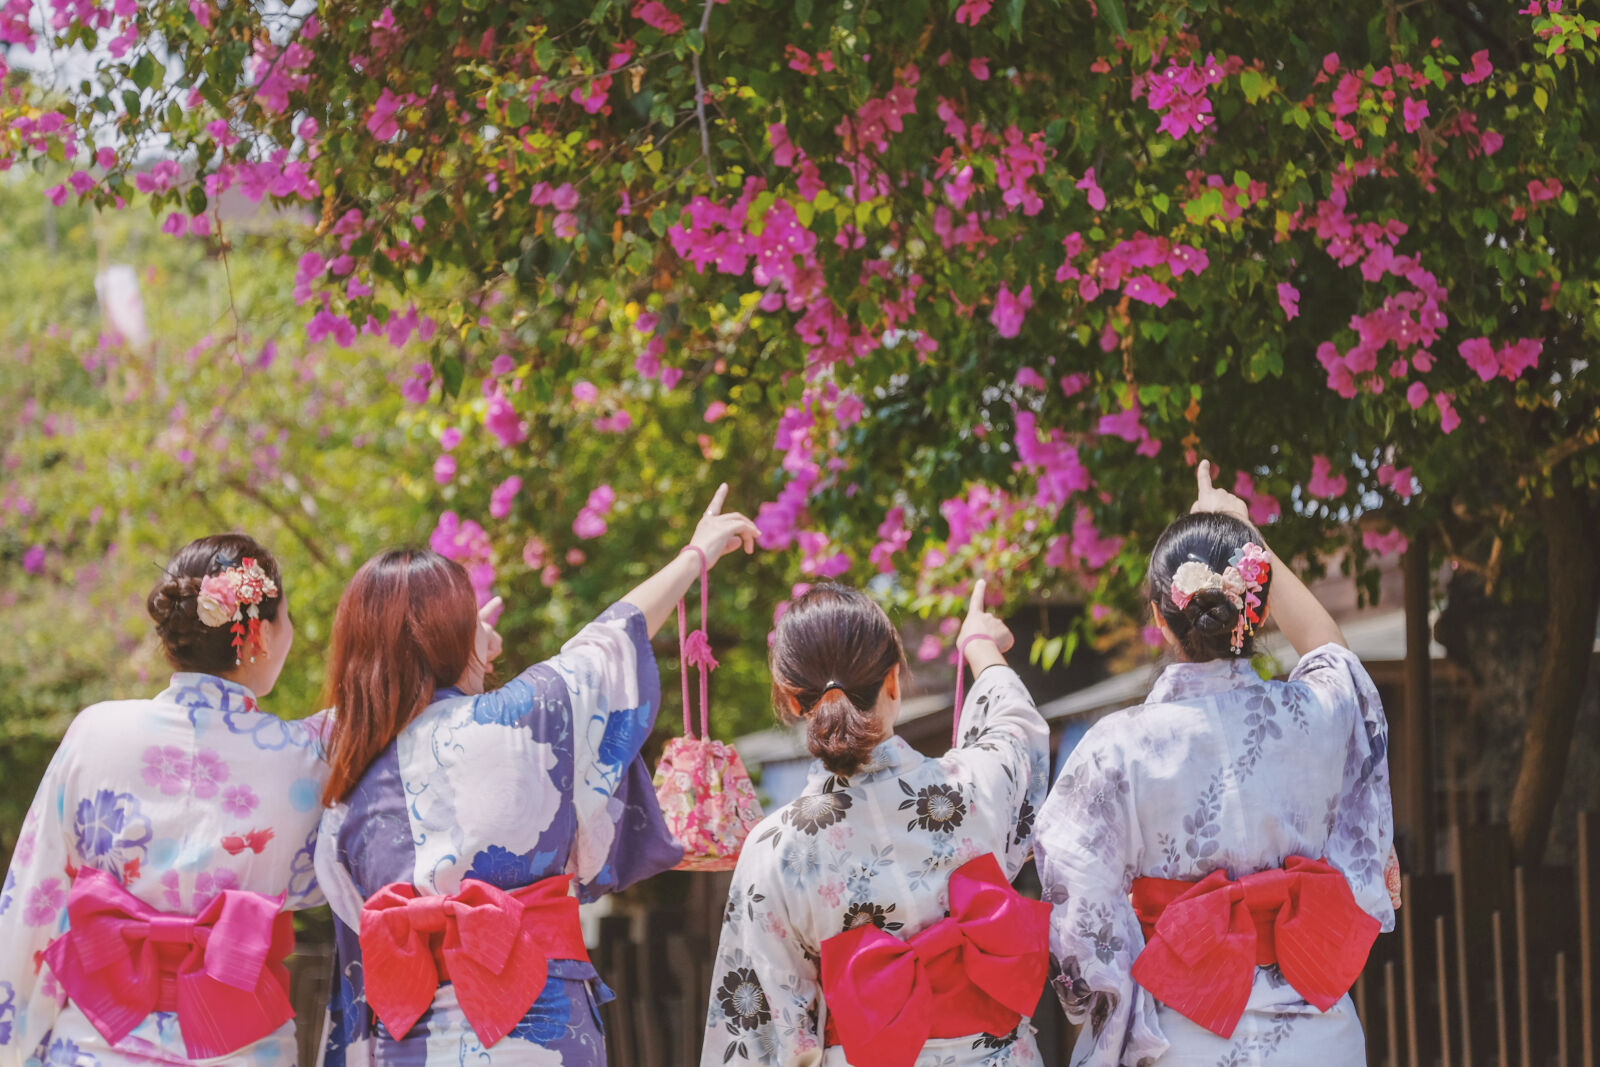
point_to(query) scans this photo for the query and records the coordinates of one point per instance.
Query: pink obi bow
(221, 971)
(1205, 939)
(493, 946)
(978, 971)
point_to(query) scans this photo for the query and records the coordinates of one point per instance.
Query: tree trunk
(1573, 586)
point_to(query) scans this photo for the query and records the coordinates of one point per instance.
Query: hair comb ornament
(234, 595)
(1247, 573)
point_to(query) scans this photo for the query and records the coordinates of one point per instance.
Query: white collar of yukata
(1186, 681)
(890, 757)
(192, 689)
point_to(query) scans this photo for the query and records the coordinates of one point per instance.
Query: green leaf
(1254, 84)
(451, 374)
(1114, 15)
(517, 113)
(1541, 99)
(144, 71)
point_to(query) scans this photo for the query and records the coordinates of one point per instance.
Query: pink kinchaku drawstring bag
(705, 793)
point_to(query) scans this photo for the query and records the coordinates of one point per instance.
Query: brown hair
(188, 643)
(405, 627)
(834, 634)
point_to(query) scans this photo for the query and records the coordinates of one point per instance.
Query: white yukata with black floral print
(1216, 770)
(876, 847)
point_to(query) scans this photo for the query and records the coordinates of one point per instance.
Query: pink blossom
(1490, 142)
(502, 365)
(1147, 290)
(1540, 191)
(106, 158)
(654, 13)
(466, 542)
(1324, 484)
(1481, 68)
(1010, 309)
(504, 496)
(971, 11)
(1028, 378)
(979, 68)
(450, 438)
(381, 121)
(1264, 507)
(1391, 543)
(533, 552)
(33, 560)
(588, 525)
(715, 410)
(1414, 111)
(1073, 384)
(1480, 356)
(1448, 419)
(1289, 300)
(929, 648)
(1417, 395)
(176, 224)
(56, 194)
(444, 469)
(585, 392)
(326, 324)
(501, 419)
(1097, 199)
(415, 387)
(81, 181)
(1152, 636)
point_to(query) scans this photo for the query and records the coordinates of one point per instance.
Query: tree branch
(700, 93)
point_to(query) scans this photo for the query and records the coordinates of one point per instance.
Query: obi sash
(494, 946)
(221, 972)
(1204, 940)
(980, 970)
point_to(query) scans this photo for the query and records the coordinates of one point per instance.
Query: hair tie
(831, 685)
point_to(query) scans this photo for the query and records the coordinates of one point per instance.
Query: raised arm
(716, 536)
(1299, 614)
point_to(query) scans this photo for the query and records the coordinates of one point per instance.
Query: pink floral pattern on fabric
(708, 800)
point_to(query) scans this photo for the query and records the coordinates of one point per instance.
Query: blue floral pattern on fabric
(8, 1012)
(1217, 770)
(110, 830)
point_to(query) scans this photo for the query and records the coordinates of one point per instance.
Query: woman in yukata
(460, 818)
(872, 921)
(145, 918)
(1216, 855)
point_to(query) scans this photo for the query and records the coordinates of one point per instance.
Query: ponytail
(833, 651)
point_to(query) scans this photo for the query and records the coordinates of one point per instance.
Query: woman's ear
(794, 706)
(1161, 624)
(891, 683)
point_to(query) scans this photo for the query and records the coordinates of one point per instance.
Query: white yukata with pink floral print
(180, 797)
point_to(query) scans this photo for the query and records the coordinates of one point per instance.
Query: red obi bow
(495, 947)
(221, 971)
(978, 971)
(1205, 939)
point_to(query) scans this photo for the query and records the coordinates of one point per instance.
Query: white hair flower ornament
(1247, 573)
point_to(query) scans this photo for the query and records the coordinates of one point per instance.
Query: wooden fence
(1490, 965)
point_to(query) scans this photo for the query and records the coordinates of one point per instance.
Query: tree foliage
(962, 285)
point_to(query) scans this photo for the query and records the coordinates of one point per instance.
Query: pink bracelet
(961, 676)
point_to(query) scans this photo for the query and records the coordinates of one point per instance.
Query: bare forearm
(658, 595)
(1299, 614)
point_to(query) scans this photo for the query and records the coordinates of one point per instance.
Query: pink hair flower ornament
(1247, 573)
(234, 595)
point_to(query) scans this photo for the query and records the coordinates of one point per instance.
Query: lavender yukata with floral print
(1218, 770)
(539, 778)
(180, 797)
(877, 847)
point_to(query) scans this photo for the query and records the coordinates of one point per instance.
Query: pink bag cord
(694, 649)
(961, 678)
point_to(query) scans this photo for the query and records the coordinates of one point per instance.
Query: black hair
(1204, 627)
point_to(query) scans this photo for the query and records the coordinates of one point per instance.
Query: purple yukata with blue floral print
(539, 778)
(1217, 770)
(180, 797)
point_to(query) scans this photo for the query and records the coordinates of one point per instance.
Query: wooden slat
(1519, 892)
(1408, 956)
(1391, 1011)
(1561, 1009)
(1458, 886)
(1501, 1022)
(1586, 945)
(1440, 957)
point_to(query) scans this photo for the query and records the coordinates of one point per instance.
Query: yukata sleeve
(764, 985)
(1086, 849)
(1362, 834)
(33, 912)
(615, 690)
(1005, 748)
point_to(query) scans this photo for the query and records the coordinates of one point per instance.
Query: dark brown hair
(1204, 628)
(834, 634)
(189, 644)
(405, 627)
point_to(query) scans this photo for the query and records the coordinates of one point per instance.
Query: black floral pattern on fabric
(996, 1041)
(743, 1000)
(864, 912)
(817, 811)
(940, 808)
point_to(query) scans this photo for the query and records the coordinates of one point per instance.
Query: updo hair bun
(833, 650)
(1203, 627)
(188, 643)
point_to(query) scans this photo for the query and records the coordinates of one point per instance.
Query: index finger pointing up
(979, 589)
(1202, 475)
(715, 507)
